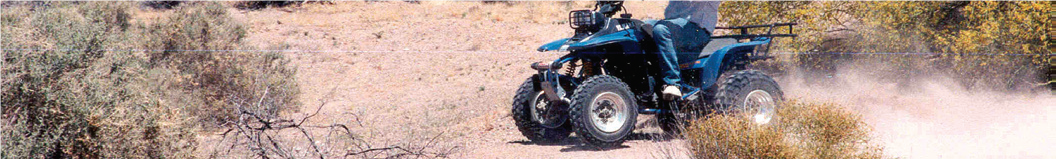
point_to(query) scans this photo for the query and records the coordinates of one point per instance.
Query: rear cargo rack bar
(759, 55)
(769, 32)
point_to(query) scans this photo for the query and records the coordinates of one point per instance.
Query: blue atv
(612, 73)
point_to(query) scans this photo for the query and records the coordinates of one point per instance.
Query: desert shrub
(964, 29)
(161, 4)
(81, 80)
(255, 4)
(963, 40)
(803, 131)
(67, 96)
(168, 4)
(196, 42)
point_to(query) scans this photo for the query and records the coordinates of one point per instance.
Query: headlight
(581, 19)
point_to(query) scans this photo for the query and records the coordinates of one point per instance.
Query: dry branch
(255, 132)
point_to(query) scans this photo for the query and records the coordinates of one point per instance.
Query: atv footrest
(650, 111)
(693, 92)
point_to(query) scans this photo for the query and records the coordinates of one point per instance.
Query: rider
(687, 27)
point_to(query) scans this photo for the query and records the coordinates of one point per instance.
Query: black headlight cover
(581, 19)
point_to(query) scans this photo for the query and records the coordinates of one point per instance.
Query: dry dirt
(933, 118)
(408, 72)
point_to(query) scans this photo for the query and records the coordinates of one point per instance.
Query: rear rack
(769, 32)
(757, 54)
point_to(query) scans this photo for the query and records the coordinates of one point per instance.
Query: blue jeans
(677, 38)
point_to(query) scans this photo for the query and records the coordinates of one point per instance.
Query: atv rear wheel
(603, 111)
(750, 93)
(529, 105)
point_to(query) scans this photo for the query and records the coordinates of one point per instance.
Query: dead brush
(804, 130)
(258, 5)
(1000, 40)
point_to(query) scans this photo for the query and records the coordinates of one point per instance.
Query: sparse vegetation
(86, 80)
(1004, 41)
(161, 4)
(257, 5)
(803, 130)
(96, 80)
(82, 80)
(193, 43)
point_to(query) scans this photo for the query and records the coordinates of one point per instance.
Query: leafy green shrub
(802, 131)
(81, 80)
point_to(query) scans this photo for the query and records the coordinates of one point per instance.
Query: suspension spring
(588, 69)
(571, 68)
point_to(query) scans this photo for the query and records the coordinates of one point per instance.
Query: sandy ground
(409, 72)
(933, 119)
(406, 72)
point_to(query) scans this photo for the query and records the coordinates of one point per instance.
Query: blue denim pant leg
(677, 38)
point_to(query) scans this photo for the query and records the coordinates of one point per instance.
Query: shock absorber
(588, 69)
(571, 68)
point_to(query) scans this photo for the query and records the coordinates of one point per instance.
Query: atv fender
(626, 39)
(711, 66)
(555, 45)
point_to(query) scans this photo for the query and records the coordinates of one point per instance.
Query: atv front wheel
(530, 109)
(750, 93)
(603, 111)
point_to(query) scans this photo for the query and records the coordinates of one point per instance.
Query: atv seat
(715, 45)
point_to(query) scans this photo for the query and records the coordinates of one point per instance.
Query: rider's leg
(663, 34)
(677, 38)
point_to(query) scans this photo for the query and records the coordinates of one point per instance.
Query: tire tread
(733, 88)
(583, 129)
(523, 118)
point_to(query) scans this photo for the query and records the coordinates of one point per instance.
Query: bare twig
(254, 129)
(400, 151)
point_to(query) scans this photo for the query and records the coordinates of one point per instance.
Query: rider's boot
(671, 92)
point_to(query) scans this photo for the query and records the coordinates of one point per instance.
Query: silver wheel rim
(759, 106)
(538, 104)
(608, 112)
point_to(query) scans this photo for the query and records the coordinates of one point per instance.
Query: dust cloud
(934, 117)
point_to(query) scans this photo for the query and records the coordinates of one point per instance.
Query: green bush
(802, 131)
(81, 80)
